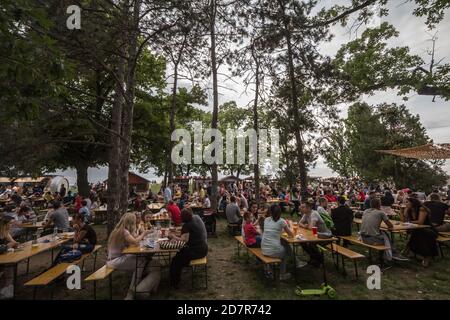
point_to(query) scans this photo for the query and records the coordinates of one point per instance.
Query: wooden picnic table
(27, 250)
(144, 251)
(153, 219)
(194, 205)
(156, 206)
(307, 236)
(398, 226)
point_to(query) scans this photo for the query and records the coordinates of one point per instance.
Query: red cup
(314, 231)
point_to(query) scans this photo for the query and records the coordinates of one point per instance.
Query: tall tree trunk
(296, 113)
(113, 190)
(255, 126)
(127, 114)
(172, 120)
(82, 179)
(114, 154)
(214, 174)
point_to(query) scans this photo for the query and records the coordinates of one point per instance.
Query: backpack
(327, 220)
(70, 256)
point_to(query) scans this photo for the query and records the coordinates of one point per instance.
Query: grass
(233, 277)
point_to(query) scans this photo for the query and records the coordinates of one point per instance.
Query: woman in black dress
(423, 241)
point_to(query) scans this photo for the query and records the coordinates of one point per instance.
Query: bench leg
(15, 281)
(28, 266)
(276, 275)
(380, 258)
(95, 290)
(34, 293)
(440, 250)
(110, 287)
(356, 269)
(344, 272)
(95, 260)
(206, 276)
(192, 277)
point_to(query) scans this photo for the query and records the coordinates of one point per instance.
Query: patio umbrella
(424, 152)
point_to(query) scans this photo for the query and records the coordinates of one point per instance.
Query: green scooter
(325, 288)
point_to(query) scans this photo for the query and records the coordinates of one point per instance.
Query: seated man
(174, 212)
(343, 218)
(85, 212)
(84, 239)
(438, 210)
(310, 219)
(372, 234)
(233, 212)
(59, 218)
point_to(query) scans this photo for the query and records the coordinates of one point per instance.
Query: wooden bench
(379, 248)
(199, 263)
(442, 241)
(49, 276)
(257, 253)
(347, 253)
(101, 274)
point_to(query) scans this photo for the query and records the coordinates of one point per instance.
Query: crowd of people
(329, 208)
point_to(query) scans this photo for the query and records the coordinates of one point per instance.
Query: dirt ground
(233, 277)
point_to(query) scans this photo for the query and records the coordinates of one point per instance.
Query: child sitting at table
(251, 236)
(148, 221)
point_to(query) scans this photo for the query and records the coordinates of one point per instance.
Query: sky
(435, 116)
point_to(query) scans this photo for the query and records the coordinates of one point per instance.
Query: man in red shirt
(174, 212)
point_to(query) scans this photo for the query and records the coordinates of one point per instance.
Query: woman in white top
(124, 235)
(271, 244)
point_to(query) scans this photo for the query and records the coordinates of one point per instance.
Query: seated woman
(6, 272)
(271, 245)
(423, 241)
(84, 239)
(193, 232)
(121, 237)
(386, 202)
(251, 235)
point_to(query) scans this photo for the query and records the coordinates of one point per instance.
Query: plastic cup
(314, 231)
